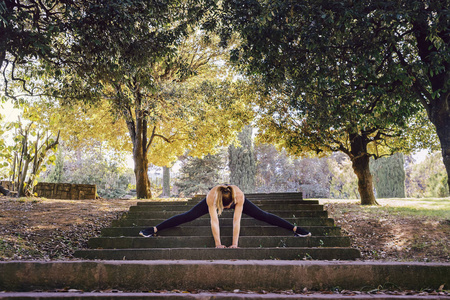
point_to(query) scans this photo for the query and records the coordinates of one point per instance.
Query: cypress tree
(389, 176)
(57, 173)
(199, 175)
(242, 162)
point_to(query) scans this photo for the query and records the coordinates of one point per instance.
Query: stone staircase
(193, 240)
(182, 263)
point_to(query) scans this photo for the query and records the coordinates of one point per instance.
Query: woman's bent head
(225, 195)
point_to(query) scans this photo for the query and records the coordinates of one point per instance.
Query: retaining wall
(65, 191)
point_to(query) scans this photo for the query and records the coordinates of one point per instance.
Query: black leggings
(201, 209)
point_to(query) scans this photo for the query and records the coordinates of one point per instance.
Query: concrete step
(266, 207)
(290, 253)
(245, 221)
(256, 202)
(265, 196)
(198, 241)
(186, 230)
(236, 294)
(193, 240)
(253, 275)
(281, 213)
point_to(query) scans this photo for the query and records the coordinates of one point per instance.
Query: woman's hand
(220, 246)
(234, 246)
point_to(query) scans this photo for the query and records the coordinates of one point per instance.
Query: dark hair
(227, 195)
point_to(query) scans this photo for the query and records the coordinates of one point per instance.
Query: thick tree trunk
(140, 154)
(360, 164)
(141, 172)
(440, 117)
(365, 184)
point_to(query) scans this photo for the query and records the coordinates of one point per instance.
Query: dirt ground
(43, 229)
(384, 235)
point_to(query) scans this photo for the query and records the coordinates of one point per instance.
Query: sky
(8, 111)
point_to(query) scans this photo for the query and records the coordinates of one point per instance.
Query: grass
(438, 208)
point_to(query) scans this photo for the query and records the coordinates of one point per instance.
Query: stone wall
(6, 184)
(66, 191)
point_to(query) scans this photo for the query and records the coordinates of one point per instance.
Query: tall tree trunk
(166, 182)
(360, 164)
(140, 149)
(440, 117)
(141, 172)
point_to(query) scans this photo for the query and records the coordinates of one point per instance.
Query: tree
(56, 174)
(114, 49)
(33, 142)
(383, 55)
(199, 175)
(343, 183)
(144, 93)
(327, 89)
(242, 163)
(277, 171)
(91, 165)
(27, 31)
(389, 176)
(166, 182)
(426, 178)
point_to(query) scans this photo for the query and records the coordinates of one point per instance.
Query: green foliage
(56, 174)
(343, 183)
(199, 175)
(30, 154)
(91, 166)
(28, 30)
(427, 178)
(277, 171)
(242, 161)
(5, 152)
(389, 176)
(334, 75)
(348, 68)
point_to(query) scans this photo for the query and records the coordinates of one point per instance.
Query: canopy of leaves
(332, 70)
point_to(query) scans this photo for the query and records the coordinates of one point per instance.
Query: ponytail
(218, 198)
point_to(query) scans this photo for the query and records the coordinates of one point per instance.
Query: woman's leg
(197, 211)
(254, 211)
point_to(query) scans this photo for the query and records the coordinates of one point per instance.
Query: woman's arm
(215, 228)
(239, 198)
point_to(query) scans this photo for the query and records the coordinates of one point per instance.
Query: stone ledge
(227, 275)
(66, 191)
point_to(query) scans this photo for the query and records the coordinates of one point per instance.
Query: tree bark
(140, 149)
(140, 157)
(440, 117)
(141, 172)
(360, 164)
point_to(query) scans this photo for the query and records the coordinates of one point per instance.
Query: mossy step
(281, 213)
(227, 275)
(291, 253)
(266, 207)
(197, 241)
(282, 195)
(194, 202)
(187, 230)
(245, 221)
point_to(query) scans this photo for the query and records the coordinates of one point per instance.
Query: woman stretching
(219, 198)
